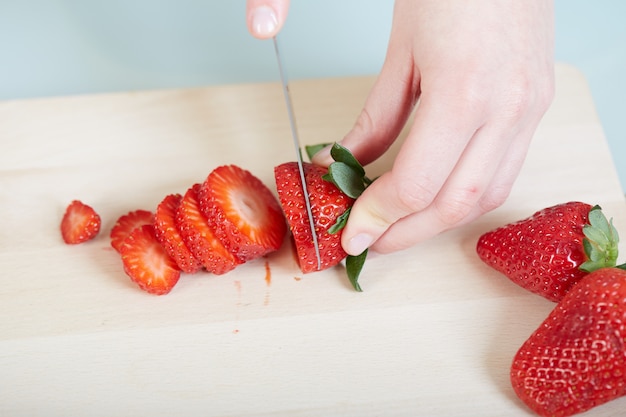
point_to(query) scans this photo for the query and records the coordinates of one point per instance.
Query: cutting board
(432, 334)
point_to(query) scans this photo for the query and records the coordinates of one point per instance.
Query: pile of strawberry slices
(227, 220)
(232, 218)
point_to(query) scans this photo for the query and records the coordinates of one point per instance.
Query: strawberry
(332, 192)
(548, 252)
(80, 223)
(127, 223)
(576, 359)
(146, 262)
(243, 212)
(169, 237)
(200, 237)
(328, 203)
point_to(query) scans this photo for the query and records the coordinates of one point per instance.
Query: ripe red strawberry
(328, 203)
(169, 237)
(550, 251)
(243, 212)
(80, 223)
(200, 238)
(146, 262)
(127, 223)
(576, 359)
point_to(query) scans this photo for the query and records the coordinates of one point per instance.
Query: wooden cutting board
(432, 334)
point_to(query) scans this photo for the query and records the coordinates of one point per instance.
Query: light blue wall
(61, 47)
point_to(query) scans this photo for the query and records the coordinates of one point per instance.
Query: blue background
(68, 47)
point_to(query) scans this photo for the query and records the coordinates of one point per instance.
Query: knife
(297, 147)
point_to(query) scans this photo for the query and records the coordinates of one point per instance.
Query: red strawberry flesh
(128, 222)
(80, 223)
(169, 237)
(147, 263)
(200, 238)
(327, 204)
(244, 214)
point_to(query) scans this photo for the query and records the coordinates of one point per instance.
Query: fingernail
(359, 243)
(264, 21)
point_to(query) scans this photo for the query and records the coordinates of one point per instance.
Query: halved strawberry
(80, 223)
(328, 203)
(200, 238)
(147, 263)
(243, 212)
(126, 223)
(331, 193)
(169, 237)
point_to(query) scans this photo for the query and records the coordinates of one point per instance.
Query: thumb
(265, 18)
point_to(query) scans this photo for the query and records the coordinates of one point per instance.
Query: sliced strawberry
(147, 263)
(328, 203)
(127, 223)
(199, 237)
(168, 236)
(243, 212)
(80, 223)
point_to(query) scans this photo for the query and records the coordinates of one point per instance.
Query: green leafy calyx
(600, 242)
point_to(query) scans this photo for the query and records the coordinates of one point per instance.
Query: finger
(265, 18)
(465, 197)
(441, 131)
(386, 110)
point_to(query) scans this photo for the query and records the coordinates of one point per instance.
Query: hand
(483, 73)
(265, 18)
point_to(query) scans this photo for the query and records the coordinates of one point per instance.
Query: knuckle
(415, 195)
(453, 210)
(493, 199)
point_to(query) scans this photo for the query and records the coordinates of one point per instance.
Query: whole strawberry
(332, 192)
(551, 250)
(576, 359)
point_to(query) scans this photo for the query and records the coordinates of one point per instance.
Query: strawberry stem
(600, 242)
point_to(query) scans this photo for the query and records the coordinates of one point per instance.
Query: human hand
(483, 73)
(265, 18)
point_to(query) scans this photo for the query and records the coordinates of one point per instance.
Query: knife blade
(297, 148)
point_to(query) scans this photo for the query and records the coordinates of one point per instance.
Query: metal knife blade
(296, 144)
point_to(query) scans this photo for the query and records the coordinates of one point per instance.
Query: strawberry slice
(127, 223)
(199, 237)
(243, 212)
(168, 236)
(147, 263)
(80, 223)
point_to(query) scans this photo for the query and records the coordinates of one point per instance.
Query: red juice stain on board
(268, 282)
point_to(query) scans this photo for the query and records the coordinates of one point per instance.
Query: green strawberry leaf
(354, 265)
(340, 223)
(311, 150)
(346, 179)
(342, 154)
(600, 242)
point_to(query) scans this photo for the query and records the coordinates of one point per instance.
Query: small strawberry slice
(243, 212)
(80, 223)
(127, 223)
(199, 237)
(328, 203)
(169, 237)
(147, 263)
